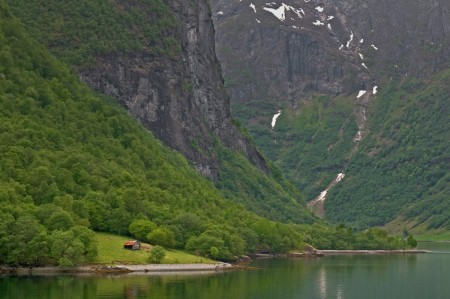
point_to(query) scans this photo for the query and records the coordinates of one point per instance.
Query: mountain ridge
(160, 64)
(325, 65)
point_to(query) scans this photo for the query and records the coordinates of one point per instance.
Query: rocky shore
(116, 269)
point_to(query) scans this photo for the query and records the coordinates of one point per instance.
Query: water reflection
(133, 291)
(345, 277)
(340, 293)
(322, 283)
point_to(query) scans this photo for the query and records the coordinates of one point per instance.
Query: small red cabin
(132, 245)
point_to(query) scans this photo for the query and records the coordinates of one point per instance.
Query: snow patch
(361, 56)
(220, 13)
(329, 26)
(339, 178)
(341, 46)
(280, 12)
(258, 21)
(364, 65)
(375, 90)
(318, 23)
(373, 46)
(253, 6)
(361, 93)
(274, 118)
(350, 40)
(323, 194)
(361, 41)
(319, 8)
(295, 27)
(330, 18)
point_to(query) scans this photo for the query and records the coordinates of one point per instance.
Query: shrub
(157, 255)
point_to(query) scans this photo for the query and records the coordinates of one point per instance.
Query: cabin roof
(131, 243)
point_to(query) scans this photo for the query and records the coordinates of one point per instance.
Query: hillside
(402, 168)
(157, 60)
(328, 70)
(73, 162)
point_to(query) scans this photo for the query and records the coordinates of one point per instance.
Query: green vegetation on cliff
(77, 31)
(311, 144)
(72, 161)
(399, 171)
(270, 196)
(402, 167)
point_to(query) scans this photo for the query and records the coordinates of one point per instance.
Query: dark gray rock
(181, 97)
(287, 60)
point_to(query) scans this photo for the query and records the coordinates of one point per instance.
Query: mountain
(312, 80)
(73, 161)
(157, 60)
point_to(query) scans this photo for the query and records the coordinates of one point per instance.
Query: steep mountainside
(306, 77)
(289, 49)
(157, 58)
(402, 168)
(161, 66)
(72, 161)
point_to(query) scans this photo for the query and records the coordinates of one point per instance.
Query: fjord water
(381, 277)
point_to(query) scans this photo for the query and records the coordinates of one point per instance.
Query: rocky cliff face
(286, 50)
(413, 37)
(282, 53)
(323, 62)
(179, 97)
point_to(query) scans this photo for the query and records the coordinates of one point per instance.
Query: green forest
(402, 168)
(310, 144)
(78, 32)
(73, 162)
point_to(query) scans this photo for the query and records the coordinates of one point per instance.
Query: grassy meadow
(111, 251)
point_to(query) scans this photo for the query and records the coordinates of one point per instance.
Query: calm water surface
(424, 276)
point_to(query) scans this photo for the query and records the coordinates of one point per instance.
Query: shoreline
(372, 252)
(116, 269)
(184, 268)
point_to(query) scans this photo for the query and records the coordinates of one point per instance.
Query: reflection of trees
(133, 291)
(329, 277)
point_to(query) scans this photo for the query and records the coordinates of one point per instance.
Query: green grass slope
(111, 251)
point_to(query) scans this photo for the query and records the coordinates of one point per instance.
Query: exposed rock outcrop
(287, 54)
(179, 97)
(283, 51)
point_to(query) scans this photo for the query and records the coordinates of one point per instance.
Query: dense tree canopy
(72, 161)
